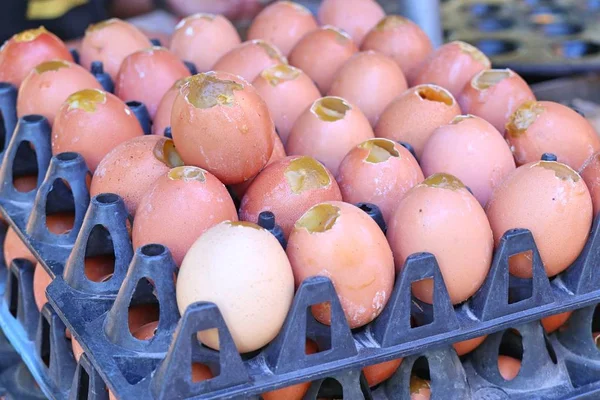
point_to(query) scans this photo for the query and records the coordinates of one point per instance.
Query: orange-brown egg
(288, 92)
(402, 40)
(146, 332)
(467, 346)
(25, 183)
(162, 118)
(471, 149)
(375, 374)
(220, 123)
(441, 217)
(356, 17)
(49, 84)
(321, 53)
(249, 59)
(288, 188)
(131, 168)
(378, 171)
(328, 130)
(41, 280)
(99, 267)
(539, 127)
(15, 248)
(340, 241)
(508, 367)
(77, 349)
(179, 207)
(452, 66)
(552, 201)
(413, 116)
(494, 94)
(590, 172)
(203, 39)
(369, 72)
(420, 389)
(555, 321)
(24, 50)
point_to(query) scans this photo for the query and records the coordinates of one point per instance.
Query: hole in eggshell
(523, 117)
(443, 181)
(206, 91)
(380, 150)
(488, 78)
(420, 378)
(29, 34)
(86, 99)
(306, 173)
(187, 174)
(165, 151)
(460, 118)
(435, 93)
(272, 51)
(561, 171)
(319, 218)
(53, 65)
(330, 108)
(390, 22)
(341, 36)
(474, 52)
(245, 224)
(280, 73)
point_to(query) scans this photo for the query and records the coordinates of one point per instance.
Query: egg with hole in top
(356, 17)
(249, 59)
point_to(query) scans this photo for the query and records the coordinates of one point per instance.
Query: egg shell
(555, 321)
(452, 66)
(204, 38)
(357, 17)
(26, 49)
(220, 123)
(508, 367)
(493, 95)
(321, 53)
(249, 59)
(441, 217)
(41, 280)
(162, 118)
(243, 269)
(420, 389)
(369, 72)
(590, 172)
(179, 207)
(110, 42)
(49, 84)
(375, 374)
(15, 248)
(553, 202)
(282, 23)
(402, 40)
(340, 241)
(131, 168)
(542, 127)
(328, 130)
(148, 74)
(415, 114)
(467, 346)
(378, 171)
(288, 188)
(471, 149)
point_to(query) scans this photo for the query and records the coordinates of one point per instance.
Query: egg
(467, 346)
(378, 171)
(15, 248)
(452, 66)
(249, 59)
(41, 280)
(590, 172)
(98, 268)
(220, 123)
(24, 183)
(321, 53)
(441, 217)
(539, 127)
(420, 389)
(49, 84)
(179, 207)
(369, 72)
(288, 188)
(162, 118)
(471, 149)
(131, 168)
(377, 373)
(356, 17)
(342, 242)
(204, 38)
(555, 321)
(288, 92)
(244, 270)
(26, 49)
(77, 349)
(402, 40)
(508, 367)
(328, 130)
(552, 201)
(414, 115)
(494, 94)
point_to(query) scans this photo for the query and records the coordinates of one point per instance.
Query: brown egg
(413, 116)
(493, 95)
(378, 171)
(553, 202)
(162, 118)
(110, 42)
(539, 127)
(282, 23)
(590, 172)
(220, 123)
(321, 53)
(41, 280)
(243, 269)
(420, 389)
(77, 349)
(99, 267)
(366, 72)
(146, 332)
(328, 130)
(131, 168)
(203, 39)
(452, 66)
(357, 17)
(508, 367)
(375, 374)
(340, 241)
(201, 372)
(49, 84)
(249, 59)
(555, 321)
(402, 40)
(467, 346)
(288, 188)
(288, 92)
(179, 207)
(25, 183)
(471, 149)
(24, 50)
(15, 248)
(441, 217)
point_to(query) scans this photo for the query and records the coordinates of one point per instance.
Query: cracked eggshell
(249, 59)
(340, 241)
(356, 17)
